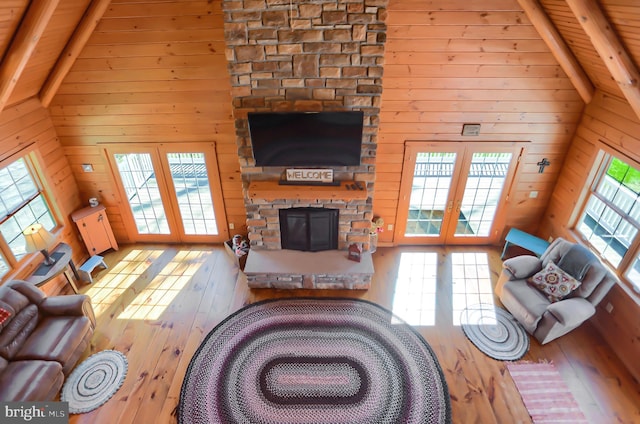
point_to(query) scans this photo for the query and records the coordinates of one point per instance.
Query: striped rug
(545, 394)
(314, 361)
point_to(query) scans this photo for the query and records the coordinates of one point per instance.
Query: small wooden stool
(85, 270)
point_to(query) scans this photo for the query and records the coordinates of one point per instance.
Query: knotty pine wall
(451, 62)
(153, 71)
(27, 125)
(607, 119)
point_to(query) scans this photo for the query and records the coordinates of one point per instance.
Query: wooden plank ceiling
(624, 16)
(34, 34)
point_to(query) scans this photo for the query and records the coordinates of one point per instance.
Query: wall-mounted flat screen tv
(306, 138)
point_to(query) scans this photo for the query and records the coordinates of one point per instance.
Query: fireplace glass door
(309, 229)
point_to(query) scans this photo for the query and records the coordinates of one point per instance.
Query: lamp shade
(37, 238)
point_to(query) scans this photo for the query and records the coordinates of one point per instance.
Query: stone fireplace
(316, 55)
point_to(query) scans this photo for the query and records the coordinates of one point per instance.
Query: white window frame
(12, 257)
(630, 224)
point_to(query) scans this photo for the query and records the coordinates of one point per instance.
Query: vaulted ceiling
(624, 17)
(596, 42)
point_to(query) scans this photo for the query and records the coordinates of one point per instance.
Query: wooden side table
(62, 255)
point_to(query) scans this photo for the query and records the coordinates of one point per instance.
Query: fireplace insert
(309, 229)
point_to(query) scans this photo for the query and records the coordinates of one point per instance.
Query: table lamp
(38, 238)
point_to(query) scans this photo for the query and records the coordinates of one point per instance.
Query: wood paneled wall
(460, 61)
(151, 72)
(607, 119)
(28, 125)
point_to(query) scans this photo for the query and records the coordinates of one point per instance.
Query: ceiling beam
(74, 47)
(23, 45)
(614, 54)
(559, 48)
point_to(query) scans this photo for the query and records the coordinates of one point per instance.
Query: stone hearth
(292, 269)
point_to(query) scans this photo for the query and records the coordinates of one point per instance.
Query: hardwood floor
(156, 304)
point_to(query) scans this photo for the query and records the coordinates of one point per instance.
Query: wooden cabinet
(95, 229)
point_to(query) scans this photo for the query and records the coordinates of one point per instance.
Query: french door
(451, 192)
(172, 190)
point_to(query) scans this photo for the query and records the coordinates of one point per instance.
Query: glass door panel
(139, 181)
(482, 193)
(429, 180)
(432, 176)
(193, 192)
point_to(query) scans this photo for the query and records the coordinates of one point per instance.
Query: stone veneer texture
(306, 55)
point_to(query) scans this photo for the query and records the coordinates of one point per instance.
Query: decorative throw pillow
(554, 282)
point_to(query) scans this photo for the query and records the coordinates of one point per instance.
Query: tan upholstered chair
(542, 318)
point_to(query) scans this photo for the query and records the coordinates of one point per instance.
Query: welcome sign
(310, 175)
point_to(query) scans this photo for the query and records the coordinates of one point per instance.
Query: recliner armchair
(41, 340)
(542, 318)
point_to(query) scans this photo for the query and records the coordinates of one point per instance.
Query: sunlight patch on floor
(414, 299)
(471, 282)
(109, 288)
(158, 295)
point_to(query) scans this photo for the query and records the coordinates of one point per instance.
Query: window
(22, 203)
(610, 222)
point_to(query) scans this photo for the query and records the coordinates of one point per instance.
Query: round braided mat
(296, 361)
(495, 332)
(94, 381)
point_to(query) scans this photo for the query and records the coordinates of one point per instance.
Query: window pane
(620, 185)
(140, 183)
(35, 211)
(430, 189)
(16, 186)
(482, 193)
(191, 182)
(607, 231)
(633, 274)
(625, 174)
(4, 268)
(611, 219)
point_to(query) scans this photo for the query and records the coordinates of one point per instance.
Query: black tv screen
(306, 138)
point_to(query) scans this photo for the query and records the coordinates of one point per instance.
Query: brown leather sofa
(41, 340)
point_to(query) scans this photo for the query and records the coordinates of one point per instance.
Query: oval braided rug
(314, 361)
(495, 332)
(94, 381)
